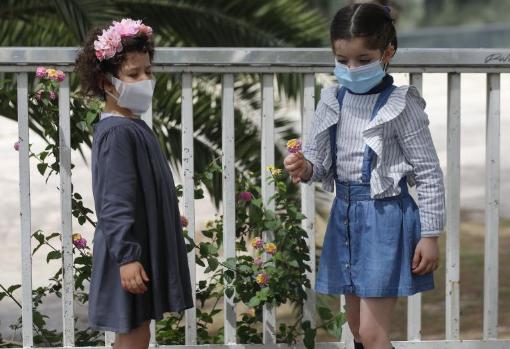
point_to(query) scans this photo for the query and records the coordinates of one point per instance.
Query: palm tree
(178, 23)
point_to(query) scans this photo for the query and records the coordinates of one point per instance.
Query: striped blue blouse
(400, 137)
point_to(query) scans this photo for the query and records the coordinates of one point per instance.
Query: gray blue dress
(137, 220)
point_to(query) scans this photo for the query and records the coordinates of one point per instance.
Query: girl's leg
(135, 339)
(375, 318)
(352, 306)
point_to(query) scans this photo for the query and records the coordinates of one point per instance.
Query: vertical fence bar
(492, 186)
(453, 209)
(308, 198)
(109, 339)
(414, 302)
(346, 336)
(189, 194)
(25, 212)
(65, 212)
(229, 211)
(147, 117)
(268, 189)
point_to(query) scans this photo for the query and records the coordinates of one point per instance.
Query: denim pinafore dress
(369, 243)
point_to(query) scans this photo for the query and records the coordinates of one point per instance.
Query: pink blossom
(262, 279)
(258, 262)
(79, 242)
(294, 146)
(127, 27)
(257, 243)
(53, 95)
(17, 144)
(60, 75)
(40, 72)
(108, 44)
(245, 196)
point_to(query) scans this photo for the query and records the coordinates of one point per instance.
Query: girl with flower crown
(369, 139)
(140, 268)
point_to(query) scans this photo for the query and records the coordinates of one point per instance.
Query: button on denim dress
(369, 243)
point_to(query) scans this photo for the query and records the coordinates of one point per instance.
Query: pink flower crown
(109, 43)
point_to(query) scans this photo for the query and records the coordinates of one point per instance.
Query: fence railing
(267, 62)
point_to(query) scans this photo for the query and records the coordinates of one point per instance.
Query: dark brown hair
(91, 71)
(370, 21)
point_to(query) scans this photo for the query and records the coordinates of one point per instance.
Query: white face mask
(135, 96)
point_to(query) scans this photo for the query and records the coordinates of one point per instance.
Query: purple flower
(40, 72)
(79, 242)
(60, 75)
(245, 196)
(258, 262)
(53, 95)
(17, 145)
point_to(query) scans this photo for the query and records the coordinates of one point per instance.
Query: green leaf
(263, 294)
(229, 292)
(77, 196)
(230, 263)
(13, 288)
(309, 335)
(82, 220)
(39, 236)
(213, 263)
(254, 302)
(52, 236)
(53, 255)
(229, 276)
(43, 155)
(42, 168)
(325, 313)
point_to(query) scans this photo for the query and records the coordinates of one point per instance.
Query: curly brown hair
(91, 71)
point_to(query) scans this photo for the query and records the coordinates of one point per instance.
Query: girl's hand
(426, 256)
(298, 167)
(133, 277)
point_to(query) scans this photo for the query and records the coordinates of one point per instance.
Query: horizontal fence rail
(267, 61)
(294, 60)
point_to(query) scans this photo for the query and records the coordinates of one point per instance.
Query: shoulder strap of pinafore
(368, 152)
(368, 155)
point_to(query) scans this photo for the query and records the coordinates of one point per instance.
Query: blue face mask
(360, 79)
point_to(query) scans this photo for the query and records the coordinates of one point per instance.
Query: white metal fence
(267, 62)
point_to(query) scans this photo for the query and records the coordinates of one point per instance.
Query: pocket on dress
(388, 219)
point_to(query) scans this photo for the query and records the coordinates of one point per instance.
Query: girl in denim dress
(369, 140)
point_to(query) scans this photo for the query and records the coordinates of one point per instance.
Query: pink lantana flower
(79, 242)
(262, 279)
(60, 75)
(294, 146)
(245, 196)
(257, 243)
(270, 248)
(40, 72)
